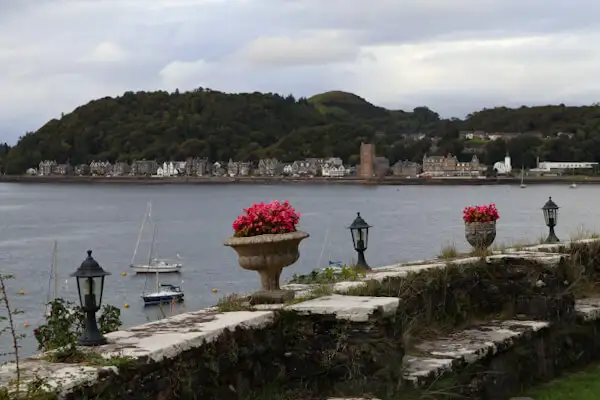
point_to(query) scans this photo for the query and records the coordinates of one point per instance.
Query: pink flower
(274, 217)
(481, 213)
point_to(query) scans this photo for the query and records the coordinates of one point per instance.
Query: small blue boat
(166, 294)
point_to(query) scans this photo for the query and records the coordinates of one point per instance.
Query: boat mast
(150, 254)
(137, 244)
(54, 268)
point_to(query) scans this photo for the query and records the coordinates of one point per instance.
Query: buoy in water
(126, 305)
(21, 291)
(215, 290)
(124, 273)
(25, 324)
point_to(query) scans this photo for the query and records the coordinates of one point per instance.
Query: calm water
(411, 222)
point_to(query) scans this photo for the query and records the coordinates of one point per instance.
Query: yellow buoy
(25, 324)
(126, 305)
(215, 290)
(124, 273)
(21, 291)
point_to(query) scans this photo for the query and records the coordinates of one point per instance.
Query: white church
(505, 167)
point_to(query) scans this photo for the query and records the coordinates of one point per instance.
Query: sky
(453, 56)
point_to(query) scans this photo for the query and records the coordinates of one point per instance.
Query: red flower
(487, 213)
(272, 218)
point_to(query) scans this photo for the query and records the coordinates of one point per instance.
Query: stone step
(350, 308)
(430, 359)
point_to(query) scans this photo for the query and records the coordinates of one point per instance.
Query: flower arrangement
(261, 219)
(483, 213)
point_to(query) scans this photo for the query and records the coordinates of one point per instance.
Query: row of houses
(327, 167)
(448, 165)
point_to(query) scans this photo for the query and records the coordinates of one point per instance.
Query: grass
(330, 275)
(582, 385)
(234, 302)
(583, 233)
(449, 252)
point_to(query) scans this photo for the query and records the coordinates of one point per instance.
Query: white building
(333, 171)
(169, 169)
(547, 166)
(505, 167)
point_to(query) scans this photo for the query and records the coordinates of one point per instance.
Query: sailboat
(154, 265)
(523, 186)
(165, 293)
(54, 280)
(573, 185)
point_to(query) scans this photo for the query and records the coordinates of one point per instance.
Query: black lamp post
(360, 239)
(551, 216)
(90, 285)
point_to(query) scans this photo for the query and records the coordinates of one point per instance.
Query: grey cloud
(47, 43)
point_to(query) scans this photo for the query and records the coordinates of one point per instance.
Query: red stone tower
(367, 161)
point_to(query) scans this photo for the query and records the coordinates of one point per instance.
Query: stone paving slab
(351, 308)
(154, 341)
(437, 356)
(588, 309)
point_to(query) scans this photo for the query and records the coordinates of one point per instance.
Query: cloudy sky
(454, 56)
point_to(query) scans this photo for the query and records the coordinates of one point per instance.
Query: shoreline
(387, 181)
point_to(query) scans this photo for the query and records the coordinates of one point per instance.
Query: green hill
(346, 105)
(249, 126)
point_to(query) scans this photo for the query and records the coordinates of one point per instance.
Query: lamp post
(550, 210)
(90, 285)
(360, 239)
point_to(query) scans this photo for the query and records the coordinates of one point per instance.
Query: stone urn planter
(480, 235)
(268, 254)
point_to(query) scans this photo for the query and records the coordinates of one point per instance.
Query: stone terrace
(231, 354)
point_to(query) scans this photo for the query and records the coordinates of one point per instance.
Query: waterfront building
(503, 168)
(121, 168)
(382, 166)
(81, 170)
(195, 166)
(47, 167)
(333, 171)
(144, 167)
(101, 168)
(269, 167)
(406, 168)
(450, 166)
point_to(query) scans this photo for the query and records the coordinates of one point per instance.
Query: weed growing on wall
(330, 275)
(64, 324)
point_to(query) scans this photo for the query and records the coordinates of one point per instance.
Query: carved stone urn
(268, 255)
(480, 235)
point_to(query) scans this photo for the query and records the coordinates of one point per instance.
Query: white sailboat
(165, 293)
(523, 186)
(154, 265)
(54, 279)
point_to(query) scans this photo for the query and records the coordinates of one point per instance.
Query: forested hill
(249, 126)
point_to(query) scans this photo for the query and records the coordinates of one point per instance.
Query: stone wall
(475, 327)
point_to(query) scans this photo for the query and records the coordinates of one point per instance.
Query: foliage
(581, 385)
(485, 213)
(65, 323)
(250, 126)
(36, 388)
(262, 219)
(233, 302)
(330, 275)
(219, 126)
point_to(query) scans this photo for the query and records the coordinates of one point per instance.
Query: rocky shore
(391, 180)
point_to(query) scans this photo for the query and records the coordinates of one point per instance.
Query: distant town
(371, 166)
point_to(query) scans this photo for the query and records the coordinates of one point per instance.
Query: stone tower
(367, 161)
